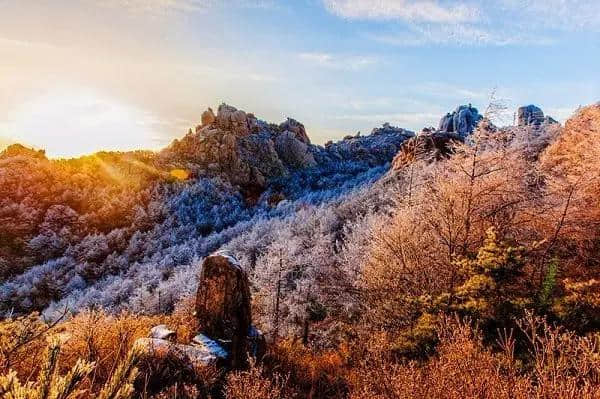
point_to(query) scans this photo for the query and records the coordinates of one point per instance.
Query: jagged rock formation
(248, 151)
(462, 121)
(432, 144)
(455, 128)
(531, 115)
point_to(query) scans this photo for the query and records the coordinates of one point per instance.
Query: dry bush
(50, 384)
(562, 366)
(312, 374)
(103, 339)
(22, 343)
(255, 384)
(92, 336)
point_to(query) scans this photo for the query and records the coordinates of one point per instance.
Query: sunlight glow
(74, 123)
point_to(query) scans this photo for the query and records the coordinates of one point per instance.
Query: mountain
(71, 228)
(460, 261)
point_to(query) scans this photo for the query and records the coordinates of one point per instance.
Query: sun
(71, 123)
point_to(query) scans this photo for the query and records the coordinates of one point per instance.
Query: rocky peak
(462, 121)
(431, 144)
(531, 115)
(235, 145)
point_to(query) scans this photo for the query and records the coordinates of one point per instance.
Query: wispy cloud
(467, 22)
(170, 6)
(568, 15)
(457, 34)
(340, 62)
(409, 10)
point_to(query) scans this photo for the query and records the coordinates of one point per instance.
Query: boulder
(223, 304)
(202, 352)
(297, 128)
(226, 336)
(164, 363)
(293, 151)
(462, 121)
(531, 115)
(232, 119)
(161, 332)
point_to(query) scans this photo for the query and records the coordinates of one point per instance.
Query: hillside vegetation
(458, 263)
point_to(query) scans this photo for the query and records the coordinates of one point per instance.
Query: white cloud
(566, 15)
(408, 10)
(459, 34)
(340, 62)
(470, 22)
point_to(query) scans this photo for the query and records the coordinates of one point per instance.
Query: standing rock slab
(462, 121)
(223, 304)
(530, 115)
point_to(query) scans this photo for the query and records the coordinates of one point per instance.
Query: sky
(82, 76)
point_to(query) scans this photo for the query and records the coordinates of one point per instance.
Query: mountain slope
(124, 223)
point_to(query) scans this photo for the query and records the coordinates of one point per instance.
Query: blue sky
(80, 76)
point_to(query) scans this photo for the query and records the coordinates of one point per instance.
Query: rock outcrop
(226, 336)
(375, 149)
(431, 144)
(462, 121)
(297, 128)
(248, 152)
(428, 146)
(223, 304)
(531, 115)
(294, 151)
(208, 117)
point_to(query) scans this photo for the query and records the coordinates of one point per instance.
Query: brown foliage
(254, 384)
(562, 366)
(92, 336)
